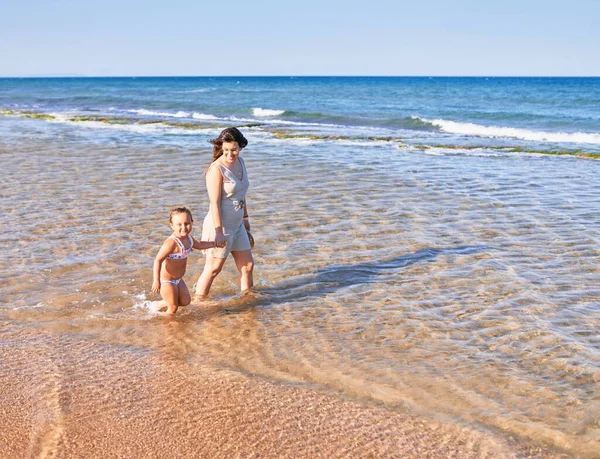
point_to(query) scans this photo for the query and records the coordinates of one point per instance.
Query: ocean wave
(277, 122)
(478, 130)
(145, 112)
(158, 128)
(130, 125)
(204, 116)
(179, 114)
(273, 117)
(195, 91)
(266, 112)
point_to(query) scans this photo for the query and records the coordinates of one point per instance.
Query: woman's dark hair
(230, 134)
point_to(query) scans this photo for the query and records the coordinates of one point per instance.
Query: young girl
(171, 262)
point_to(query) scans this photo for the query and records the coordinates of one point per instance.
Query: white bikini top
(184, 252)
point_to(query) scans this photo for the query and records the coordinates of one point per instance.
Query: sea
(426, 244)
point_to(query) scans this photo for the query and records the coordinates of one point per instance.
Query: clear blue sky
(309, 37)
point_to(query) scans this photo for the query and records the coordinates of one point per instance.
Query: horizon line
(293, 76)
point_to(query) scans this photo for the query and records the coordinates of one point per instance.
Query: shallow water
(459, 285)
(459, 281)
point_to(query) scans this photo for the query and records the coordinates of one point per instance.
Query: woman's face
(231, 151)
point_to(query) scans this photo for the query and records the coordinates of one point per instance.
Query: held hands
(220, 240)
(156, 287)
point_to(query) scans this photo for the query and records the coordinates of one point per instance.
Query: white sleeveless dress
(232, 206)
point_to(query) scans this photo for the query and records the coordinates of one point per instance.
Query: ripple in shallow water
(460, 285)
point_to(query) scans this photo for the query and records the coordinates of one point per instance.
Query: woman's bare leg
(245, 265)
(212, 267)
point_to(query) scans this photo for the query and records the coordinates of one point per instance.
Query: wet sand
(122, 403)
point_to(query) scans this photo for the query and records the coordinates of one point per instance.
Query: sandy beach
(58, 404)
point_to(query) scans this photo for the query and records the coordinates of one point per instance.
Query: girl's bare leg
(245, 265)
(212, 267)
(170, 294)
(184, 294)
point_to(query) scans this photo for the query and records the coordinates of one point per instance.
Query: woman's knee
(247, 267)
(213, 268)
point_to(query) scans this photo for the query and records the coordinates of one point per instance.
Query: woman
(227, 220)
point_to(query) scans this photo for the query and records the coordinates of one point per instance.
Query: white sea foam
(257, 112)
(478, 130)
(158, 128)
(479, 152)
(203, 116)
(143, 111)
(262, 112)
(292, 141)
(191, 91)
(277, 122)
(148, 307)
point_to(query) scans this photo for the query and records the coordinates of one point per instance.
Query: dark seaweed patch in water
(578, 152)
(290, 135)
(36, 115)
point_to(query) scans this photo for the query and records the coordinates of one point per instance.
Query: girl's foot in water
(158, 306)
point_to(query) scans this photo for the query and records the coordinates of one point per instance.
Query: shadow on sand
(331, 279)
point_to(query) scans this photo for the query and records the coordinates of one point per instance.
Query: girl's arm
(166, 249)
(201, 245)
(214, 183)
